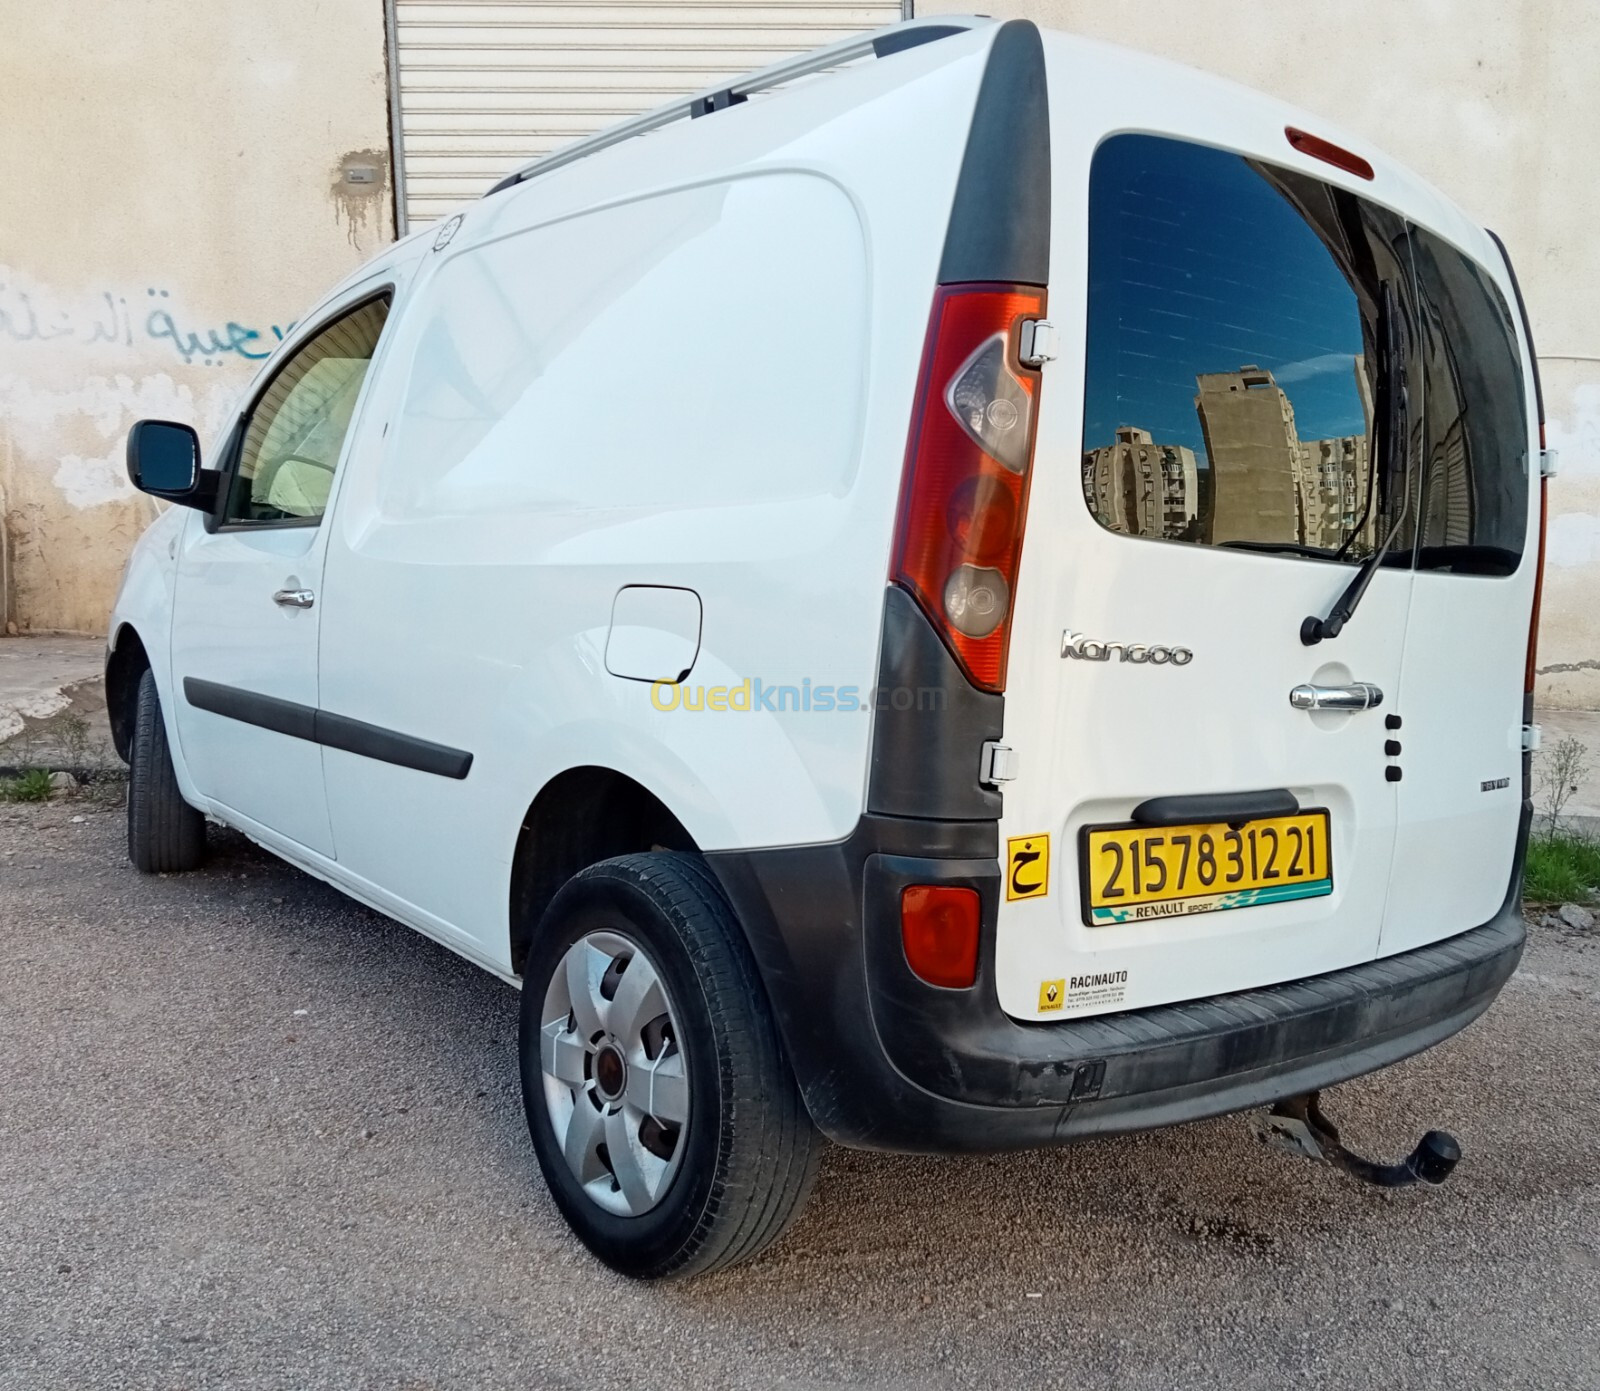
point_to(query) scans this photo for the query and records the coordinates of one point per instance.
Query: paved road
(255, 1136)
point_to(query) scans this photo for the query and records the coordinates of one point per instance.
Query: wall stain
(359, 190)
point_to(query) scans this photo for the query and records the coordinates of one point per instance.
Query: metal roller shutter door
(480, 86)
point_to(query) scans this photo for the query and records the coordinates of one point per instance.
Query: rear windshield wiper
(1390, 444)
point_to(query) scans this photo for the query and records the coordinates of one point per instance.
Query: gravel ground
(256, 1136)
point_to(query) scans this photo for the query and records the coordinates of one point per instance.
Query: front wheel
(165, 834)
(666, 1120)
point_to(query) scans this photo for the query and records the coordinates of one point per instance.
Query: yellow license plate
(1132, 873)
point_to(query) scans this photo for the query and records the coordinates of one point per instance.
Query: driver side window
(294, 436)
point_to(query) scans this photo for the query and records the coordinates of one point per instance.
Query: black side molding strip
(373, 741)
(330, 730)
(1216, 806)
(265, 712)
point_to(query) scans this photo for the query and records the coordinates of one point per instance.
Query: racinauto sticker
(1087, 990)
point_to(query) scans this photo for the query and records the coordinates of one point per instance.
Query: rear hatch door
(1216, 483)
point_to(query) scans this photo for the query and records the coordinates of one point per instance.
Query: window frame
(228, 463)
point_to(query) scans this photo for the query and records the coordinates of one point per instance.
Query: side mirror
(164, 461)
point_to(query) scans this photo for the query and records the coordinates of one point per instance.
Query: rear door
(1211, 487)
(1459, 706)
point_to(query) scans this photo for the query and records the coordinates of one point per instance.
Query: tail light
(964, 496)
(939, 931)
(1538, 577)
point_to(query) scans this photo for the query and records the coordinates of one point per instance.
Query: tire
(741, 1164)
(165, 834)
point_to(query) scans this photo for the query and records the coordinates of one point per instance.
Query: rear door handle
(1359, 695)
(294, 598)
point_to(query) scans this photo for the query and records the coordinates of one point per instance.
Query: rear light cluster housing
(964, 498)
(1531, 672)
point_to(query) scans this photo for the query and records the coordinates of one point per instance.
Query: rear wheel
(667, 1123)
(165, 834)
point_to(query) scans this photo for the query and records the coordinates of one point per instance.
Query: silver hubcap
(615, 1084)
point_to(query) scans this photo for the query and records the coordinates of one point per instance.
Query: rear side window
(1473, 487)
(1233, 331)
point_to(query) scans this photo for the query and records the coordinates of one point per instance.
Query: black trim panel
(1000, 220)
(887, 1061)
(325, 728)
(930, 724)
(1215, 806)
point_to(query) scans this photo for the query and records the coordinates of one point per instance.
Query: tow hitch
(1298, 1125)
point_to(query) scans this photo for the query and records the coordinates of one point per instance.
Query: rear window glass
(1233, 335)
(1473, 487)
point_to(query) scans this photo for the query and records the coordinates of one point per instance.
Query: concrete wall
(170, 199)
(1497, 103)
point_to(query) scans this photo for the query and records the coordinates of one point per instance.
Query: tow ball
(1298, 1125)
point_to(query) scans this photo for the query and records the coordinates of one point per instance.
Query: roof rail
(879, 44)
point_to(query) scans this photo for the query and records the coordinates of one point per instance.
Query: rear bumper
(888, 1062)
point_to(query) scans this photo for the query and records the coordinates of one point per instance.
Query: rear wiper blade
(1390, 442)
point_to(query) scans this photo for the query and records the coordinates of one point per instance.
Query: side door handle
(294, 598)
(1359, 695)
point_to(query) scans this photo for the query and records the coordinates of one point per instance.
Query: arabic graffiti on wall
(33, 316)
(208, 344)
(77, 368)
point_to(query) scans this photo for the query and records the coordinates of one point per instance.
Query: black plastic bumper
(888, 1062)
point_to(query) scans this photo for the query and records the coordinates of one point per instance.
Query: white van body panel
(515, 556)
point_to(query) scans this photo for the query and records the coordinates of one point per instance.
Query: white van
(969, 590)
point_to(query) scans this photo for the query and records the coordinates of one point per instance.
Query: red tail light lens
(1532, 672)
(964, 497)
(939, 930)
